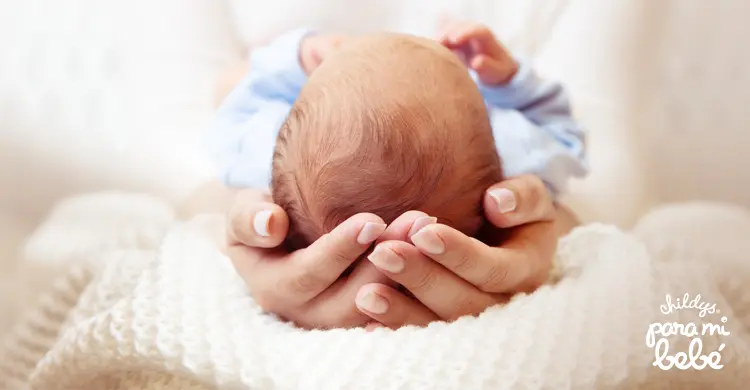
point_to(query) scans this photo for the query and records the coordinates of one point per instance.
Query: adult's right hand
(305, 286)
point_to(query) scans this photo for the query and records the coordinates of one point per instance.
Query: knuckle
(425, 281)
(495, 279)
(304, 283)
(464, 261)
(534, 190)
(341, 258)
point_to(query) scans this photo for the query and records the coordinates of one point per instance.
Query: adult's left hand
(451, 274)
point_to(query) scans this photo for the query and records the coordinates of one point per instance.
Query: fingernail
(419, 223)
(505, 199)
(370, 232)
(261, 223)
(428, 241)
(386, 260)
(372, 302)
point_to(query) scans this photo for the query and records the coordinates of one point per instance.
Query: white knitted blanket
(141, 301)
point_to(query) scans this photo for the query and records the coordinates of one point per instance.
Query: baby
(386, 124)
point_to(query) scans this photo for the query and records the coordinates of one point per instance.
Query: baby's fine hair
(391, 123)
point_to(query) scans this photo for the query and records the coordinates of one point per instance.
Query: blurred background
(105, 94)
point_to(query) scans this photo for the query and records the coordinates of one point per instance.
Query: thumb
(255, 222)
(518, 201)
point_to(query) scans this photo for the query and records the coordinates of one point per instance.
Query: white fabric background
(101, 94)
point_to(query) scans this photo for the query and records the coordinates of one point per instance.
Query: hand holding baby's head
(388, 123)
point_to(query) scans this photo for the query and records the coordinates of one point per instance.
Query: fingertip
(430, 240)
(346, 242)
(518, 201)
(370, 232)
(371, 300)
(262, 225)
(364, 227)
(278, 224)
(401, 227)
(400, 310)
(399, 247)
(270, 223)
(499, 202)
(420, 223)
(504, 199)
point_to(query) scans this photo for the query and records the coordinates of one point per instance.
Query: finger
(518, 201)
(332, 309)
(391, 308)
(454, 34)
(255, 222)
(400, 229)
(405, 225)
(335, 307)
(479, 37)
(311, 270)
(365, 272)
(440, 290)
(488, 69)
(522, 264)
(465, 256)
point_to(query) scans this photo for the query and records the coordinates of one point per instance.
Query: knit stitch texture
(143, 301)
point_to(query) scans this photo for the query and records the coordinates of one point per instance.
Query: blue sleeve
(243, 138)
(534, 129)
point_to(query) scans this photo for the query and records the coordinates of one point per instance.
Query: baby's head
(389, 123)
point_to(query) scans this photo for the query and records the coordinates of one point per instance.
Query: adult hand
(303, 286)
(451, 274)
(306, 286)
